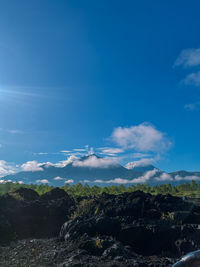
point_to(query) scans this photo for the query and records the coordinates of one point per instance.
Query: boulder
(107, 226)
(149, 239)
(54, 194)
(40, 218)
(26, 194)
(32, 216)
(102, 225)
(6, 231)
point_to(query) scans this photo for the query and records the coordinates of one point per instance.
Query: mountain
(183, 173)
(96, 170)
(89, 167)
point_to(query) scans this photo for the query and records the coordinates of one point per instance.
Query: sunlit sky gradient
(73, 71)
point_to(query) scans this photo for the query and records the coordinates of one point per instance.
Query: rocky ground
(51, 252)
(131, 229)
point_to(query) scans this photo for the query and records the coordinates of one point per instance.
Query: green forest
(191, 189)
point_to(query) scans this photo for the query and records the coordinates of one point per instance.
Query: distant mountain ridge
(86, 169)
(75, 173)
(183, 173)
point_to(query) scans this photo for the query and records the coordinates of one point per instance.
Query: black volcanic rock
(102, 225)
(6, 230)
(130, 229)
(55, 193)
(150, 239)
(49, 252)
(27, 215)
(25, 194)
(150, 225)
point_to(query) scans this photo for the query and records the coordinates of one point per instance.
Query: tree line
(189, 189)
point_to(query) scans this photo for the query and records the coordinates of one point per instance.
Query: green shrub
(85, 207)
(167, 216)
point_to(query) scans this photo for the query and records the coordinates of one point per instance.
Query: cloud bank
(66, 162)
(95, 162)
(142, 179)
(31, 166)
(43, 181)
(164, 177)
(58, 178)
(6, 169)
(139, 163)
(69, 181)
(110, 151)
(143, 137)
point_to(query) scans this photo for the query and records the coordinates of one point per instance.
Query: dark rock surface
(51, 252)
(54, 194)
(131, 229)
(27, 215)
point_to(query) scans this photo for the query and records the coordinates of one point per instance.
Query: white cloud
(114, 181)
(192, 79)
(46, 164)
(79, 149)
(66, 162)
(15, 131)
(6, 169)
(5, 181)
(2, 181)
(187, 178)
(145, 178)
(12, 131)
(141, 179)
(143, 137)
(43, 181)
(140, 155)
(140, 163)
(86, 181)
(164, 177)
(192, 106)
(111, 150)
(90, 150)
(69, 181)
(95, 162)
(188, 58)
(65, 151)
(99, 181)
(120, 181)
(32, 166)
(58, 178)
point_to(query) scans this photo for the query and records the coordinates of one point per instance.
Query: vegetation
(167, 216)
(99, 243)
(191, 189)
(84, 208)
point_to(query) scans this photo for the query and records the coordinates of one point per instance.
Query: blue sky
(73, 72)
